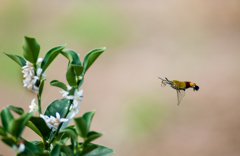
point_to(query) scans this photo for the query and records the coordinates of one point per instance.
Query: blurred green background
(186, 40)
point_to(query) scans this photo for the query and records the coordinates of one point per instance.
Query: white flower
(35, 89)
(74, 109)
(76, 97)
(46, 119)
(51, 146)
(27, 82)
(28, 70)
(53, 122)
(19, 148)
(39, 61)
(40, 73)
(30, 84)
(64, 93)
(29, 77)
(33, 107)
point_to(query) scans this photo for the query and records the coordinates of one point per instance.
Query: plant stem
(39, 104)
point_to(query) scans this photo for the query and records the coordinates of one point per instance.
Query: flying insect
(179, 86)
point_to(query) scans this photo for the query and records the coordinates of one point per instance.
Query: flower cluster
(74, 108)
(30, 79)
(53, 122)
(33, 107)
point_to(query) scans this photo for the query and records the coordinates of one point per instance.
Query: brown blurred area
(196, 41)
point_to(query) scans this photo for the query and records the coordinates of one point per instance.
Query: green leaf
(59, 84)
(91, 57)
(59, 106)
(99, 151)
(30, 49)
(78, 69)
(50, 56)
(39, 144)
(41, 88)
(83, 124)
(92, 136)
(6, 117)
(16, 126)
(70, 76)
(43, 154)
(87, 149)
(72, 56)
(8, 140)
(72, 132)
(17, 110)
(18, 59)
(41, 126)
(66, 150)
(63, 137)
(34, 128)
(31, 148)
(56, 150)
(61, 149)
(88, 117)
(81, 127)
(2, 131)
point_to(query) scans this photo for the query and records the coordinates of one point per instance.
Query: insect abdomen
(187, 84)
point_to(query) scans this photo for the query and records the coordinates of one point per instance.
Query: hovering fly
(180, 87)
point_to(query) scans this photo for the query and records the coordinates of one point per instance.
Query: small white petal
(75, 102)
(70, 115)
(21, 147)
(44, 76)
(51, 146)
(69, 87)
(42, 116)
(33, 101)
(64, 93)
(39, 60)
(39, 72)
(33, 107)
(45, 118)
(80, 92)
(57, 115)
(53, 122)
(63, 120)
(70, 97)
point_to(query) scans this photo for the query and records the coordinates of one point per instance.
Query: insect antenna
(164, 82)
(161, 78)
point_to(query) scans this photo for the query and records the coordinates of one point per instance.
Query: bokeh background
(186, 40)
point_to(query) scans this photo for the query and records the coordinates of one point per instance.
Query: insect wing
(182, 92)
(180, 95)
